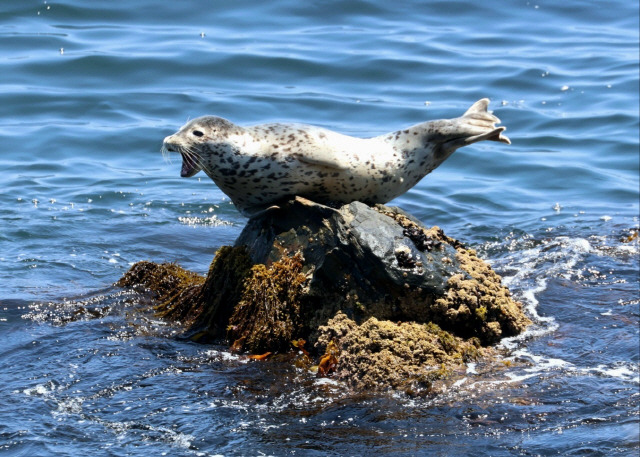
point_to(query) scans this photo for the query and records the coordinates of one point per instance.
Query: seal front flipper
(258, 210)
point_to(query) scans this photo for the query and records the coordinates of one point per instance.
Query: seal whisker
(166, 155)
(195, 157)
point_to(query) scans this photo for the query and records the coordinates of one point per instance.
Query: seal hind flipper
(493, 135)
(480, 107)
(478, 115)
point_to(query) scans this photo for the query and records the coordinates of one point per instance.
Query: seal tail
(480, 123)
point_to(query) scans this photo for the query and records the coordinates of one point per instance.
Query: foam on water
(553, 258)
(209, 220)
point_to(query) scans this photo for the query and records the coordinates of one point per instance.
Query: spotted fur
(261, 165)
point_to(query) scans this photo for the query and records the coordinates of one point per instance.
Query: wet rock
(359, 261)
(398, 303)
(380, 262)
(475, 302)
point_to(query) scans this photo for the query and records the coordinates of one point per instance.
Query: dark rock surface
(354, 246)
(376, 262)
(360, 260)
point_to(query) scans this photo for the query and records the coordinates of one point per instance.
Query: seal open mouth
(189, 166)
(190, 160)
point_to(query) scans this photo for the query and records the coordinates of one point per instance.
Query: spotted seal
(261, 165)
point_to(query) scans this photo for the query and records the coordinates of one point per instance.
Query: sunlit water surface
(89, 89)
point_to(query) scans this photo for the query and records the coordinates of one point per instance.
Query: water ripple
(88, 92)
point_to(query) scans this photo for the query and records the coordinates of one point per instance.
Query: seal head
(192, 140)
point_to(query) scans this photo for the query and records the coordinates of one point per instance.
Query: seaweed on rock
(475, 302)
(405, 356)
(267, 315)
(221, 291)
(203, 305)
(173, 287)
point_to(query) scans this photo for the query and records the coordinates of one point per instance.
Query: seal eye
(197, 133)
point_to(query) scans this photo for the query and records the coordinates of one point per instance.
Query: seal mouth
(189, 166)
(191, 162)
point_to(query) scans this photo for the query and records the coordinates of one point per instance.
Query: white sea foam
(209, 221)
(532, 268)
(541, 363)
(326, 382)
(553, 258)
(40, 389)
(225, 356)
(71, 405)
(459, 382)
(620, 371)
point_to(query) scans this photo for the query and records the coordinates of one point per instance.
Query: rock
(359, 261)
(380, 262)
(355, 245)
(405, 356)
(393, 302)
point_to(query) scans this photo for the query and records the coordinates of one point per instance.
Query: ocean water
(88, 90)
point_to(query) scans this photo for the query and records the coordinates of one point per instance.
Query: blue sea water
(88, 90)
